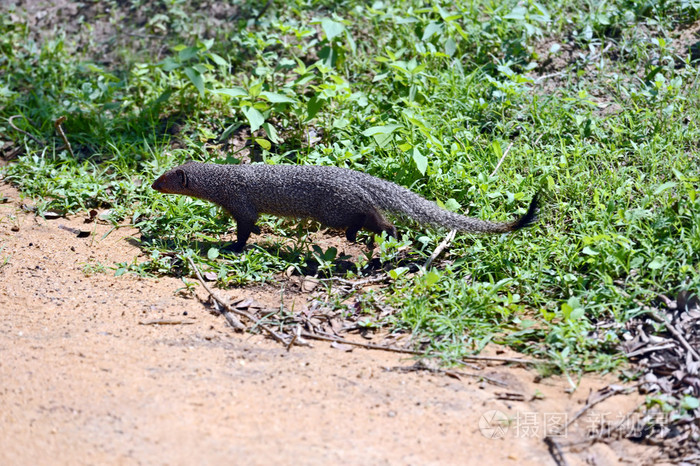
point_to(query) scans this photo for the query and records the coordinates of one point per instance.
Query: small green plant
(91, 268)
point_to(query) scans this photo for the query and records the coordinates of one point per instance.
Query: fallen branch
(440, 247)
(235, 323)
(297, 337)
(608, 391)
(165, 322)
(59, 128)
(676, 333)
(29, 135)
(499, 359)
(649, 349)
(554, 447)
(448, 372)
(654, 315)
(556, 451)
(316, 336)
(354, 284)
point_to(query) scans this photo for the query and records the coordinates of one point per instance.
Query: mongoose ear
(183, 178)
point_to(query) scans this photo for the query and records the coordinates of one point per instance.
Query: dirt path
(85, 378)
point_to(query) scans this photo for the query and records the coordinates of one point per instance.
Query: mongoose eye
(183, 178)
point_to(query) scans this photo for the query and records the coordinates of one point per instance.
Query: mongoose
(336, 197)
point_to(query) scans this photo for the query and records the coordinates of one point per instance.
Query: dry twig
(556, 451)
(165, 322)
(440, 247)
(499, 359)
(59, 128)
(503, 157)
(607, 392)
(654, 314)
(29, 135)
(228, 310)
(676, 333)
(325, 337)
(448, 372)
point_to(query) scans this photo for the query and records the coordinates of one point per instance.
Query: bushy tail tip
(530, 216)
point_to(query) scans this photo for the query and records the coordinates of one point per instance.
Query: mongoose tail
(530, 216)
(336, 197)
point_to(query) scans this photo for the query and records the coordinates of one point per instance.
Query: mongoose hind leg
(374, 222)
(356, 223)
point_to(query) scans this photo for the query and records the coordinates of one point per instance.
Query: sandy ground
(86, 378)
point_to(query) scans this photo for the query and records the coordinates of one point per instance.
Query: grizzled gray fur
(336, 197)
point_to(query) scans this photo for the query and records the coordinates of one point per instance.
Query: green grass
(427, 95)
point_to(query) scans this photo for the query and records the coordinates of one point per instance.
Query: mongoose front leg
(245, 216)
(243, 230)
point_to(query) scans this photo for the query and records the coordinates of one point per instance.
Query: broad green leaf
(450, 47)
(196, 79)
(213, 253)
(264, 143)
(237, 92)
(432, 278)
(546, 17)
(431, 29)
(186, 54)
(276, 98)
(397, 272)
(332, 28)
(313, 106)
(690, 402)
(217, 59)
(517, 13)
(577, 313)
(169, 64)
(255, 118)
(387, 129)
(497, 151)
(420, 160)
(452, 205)
(667, 185)
(655, 264)
(271, 133)
(229, 130)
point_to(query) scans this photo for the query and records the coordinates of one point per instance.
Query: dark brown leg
(243, 231)
(376, 223)
(357, 222)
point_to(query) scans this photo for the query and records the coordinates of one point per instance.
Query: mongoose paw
(235, 248)
(256, 229)
(351, 235)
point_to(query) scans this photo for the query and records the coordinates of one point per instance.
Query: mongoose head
(177, 181)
